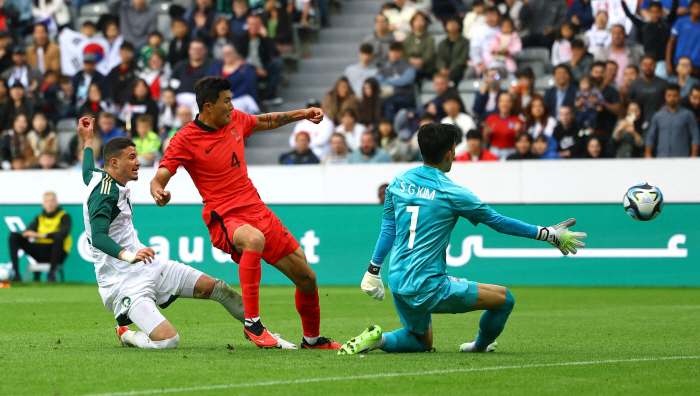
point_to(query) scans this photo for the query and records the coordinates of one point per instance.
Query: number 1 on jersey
(414, 222)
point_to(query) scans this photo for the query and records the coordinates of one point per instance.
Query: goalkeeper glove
(372, 283)
(560, 237)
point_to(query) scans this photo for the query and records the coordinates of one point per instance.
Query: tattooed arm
(276, 120)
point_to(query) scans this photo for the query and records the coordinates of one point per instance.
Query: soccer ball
(643, 201)
(4, 274)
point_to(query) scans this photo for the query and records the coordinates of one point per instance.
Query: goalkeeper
(422, 207)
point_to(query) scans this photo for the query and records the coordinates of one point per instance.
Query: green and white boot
(370, 339)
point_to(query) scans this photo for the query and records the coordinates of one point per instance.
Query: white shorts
(161, 282)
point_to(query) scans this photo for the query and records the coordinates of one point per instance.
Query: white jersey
(106, 196)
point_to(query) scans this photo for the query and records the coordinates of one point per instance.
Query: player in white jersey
(132, 280)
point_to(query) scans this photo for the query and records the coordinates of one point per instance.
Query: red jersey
(504, 130)
(485, 156)
(215, 159)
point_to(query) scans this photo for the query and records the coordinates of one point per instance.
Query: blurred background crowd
(522, 79)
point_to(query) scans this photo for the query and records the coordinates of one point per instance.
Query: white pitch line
(385, 375)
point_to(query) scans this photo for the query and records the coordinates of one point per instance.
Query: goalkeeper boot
(469, 347)
(321, 343)
(120, 332)
(260, 336)
(365, 342)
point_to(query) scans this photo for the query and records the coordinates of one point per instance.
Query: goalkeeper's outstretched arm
(558, 235)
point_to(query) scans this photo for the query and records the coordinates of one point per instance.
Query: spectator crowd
(148, 92)
(622, 85)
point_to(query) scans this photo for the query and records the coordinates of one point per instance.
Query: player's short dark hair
(474, 134)
(656, 4)
(367, 49)
(435, 140)
(115, 146)
(673, 87)
(527, 135)
(395, 46)
(208, 90)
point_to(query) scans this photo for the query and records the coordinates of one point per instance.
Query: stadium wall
(338, 228)
(523, 182)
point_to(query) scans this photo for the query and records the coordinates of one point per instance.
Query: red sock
(310, 312)
(249, 274)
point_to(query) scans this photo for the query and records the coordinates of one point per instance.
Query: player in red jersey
(211, 149)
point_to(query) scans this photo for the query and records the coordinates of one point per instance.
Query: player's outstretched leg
(498, 302)
(400, 340)
(202, 286)
(156, 332)
(295, 267)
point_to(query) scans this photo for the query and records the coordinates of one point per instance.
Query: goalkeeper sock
(492, 323)
(402, 340)
(249, 274)
(226, 296)
(310, 312)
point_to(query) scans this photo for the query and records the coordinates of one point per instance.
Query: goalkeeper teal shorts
(454, 295)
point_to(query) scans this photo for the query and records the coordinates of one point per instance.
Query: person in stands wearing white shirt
(320, 134)
(481, 39)
(351, 130)
(339, 151)
(599, 36)
(453, 109)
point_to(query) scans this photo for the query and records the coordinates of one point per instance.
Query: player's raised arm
(276, 120)
(160, 180)
(372, 281)
(86, 130)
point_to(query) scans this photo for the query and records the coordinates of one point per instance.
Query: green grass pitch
(59, 340)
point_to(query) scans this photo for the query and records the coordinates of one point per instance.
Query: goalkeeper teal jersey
(426, 205)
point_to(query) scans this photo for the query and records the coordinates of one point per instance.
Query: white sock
(381, 342)
(251, 321)
(141, 340)
(230, 299)
(311, 340)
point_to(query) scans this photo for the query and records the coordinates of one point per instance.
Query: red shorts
(279, 242)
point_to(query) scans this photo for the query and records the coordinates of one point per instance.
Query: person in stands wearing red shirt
(211, 149)
(475, 151)
(501, 128)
